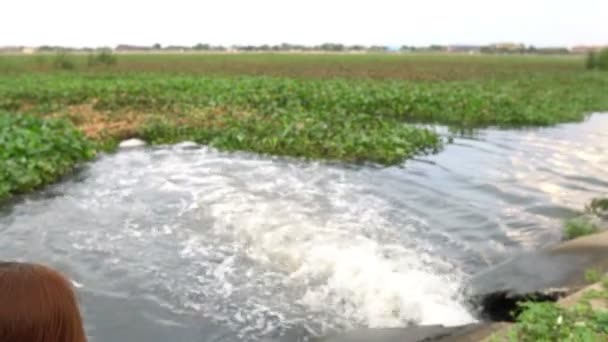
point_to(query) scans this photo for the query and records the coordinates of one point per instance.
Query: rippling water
(185, 243)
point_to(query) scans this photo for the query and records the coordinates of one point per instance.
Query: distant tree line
(330, 47)
(597, 60)
(503, 48)
(336, 47)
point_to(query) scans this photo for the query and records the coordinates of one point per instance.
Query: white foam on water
(267, 246)
(256, 244)
(332, 244)
(356, 278)
(131, 143)
(379, 292)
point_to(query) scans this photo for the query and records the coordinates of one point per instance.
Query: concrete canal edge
(559, 267)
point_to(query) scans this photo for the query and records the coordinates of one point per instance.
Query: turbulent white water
(243, 247)
(331, 246)
(284, 244)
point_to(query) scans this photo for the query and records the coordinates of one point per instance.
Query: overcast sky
(227, 22)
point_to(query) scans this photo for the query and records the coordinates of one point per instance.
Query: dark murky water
(185, 243)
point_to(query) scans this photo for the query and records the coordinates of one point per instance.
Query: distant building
(11, 49)
(555, 50)
(177, 48)
(508, 46)
(464, 48)
(582, 49)
(131, 48)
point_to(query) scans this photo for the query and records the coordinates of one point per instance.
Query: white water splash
(257, 245)
(332, 241)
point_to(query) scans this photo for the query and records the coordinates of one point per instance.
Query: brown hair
(37, 304)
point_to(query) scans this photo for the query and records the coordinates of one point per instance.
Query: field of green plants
(57, 111)
(362, 108)
(412, 67)
(36, 151)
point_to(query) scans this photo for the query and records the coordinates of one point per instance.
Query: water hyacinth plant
(369, 108)
(37, 151)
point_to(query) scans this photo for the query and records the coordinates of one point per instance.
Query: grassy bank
(586, 319)
(579, 317)
(339, 107)
(590, 222)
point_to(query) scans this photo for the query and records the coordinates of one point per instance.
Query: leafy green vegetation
(335, 119)
(530, 100)
(597, 60)
(37, 151)
(579, 226)
(551, 322)
(593, 275)
(63, 61)
(410, 67)
(590, 62)
(548, 321)
(345, 119)
(367, 108)
(598, 207)
(602, 60)
(587, 223)
(104, 58)
(354, 137)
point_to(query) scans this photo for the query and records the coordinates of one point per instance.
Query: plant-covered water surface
(346, 114)
(37, 151)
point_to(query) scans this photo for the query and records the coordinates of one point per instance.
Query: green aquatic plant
(379, 66)
(579, 226)
(551, 322)
(597, 60)
(356, 137)
(591, 61)
(105, 57)
(602, 60)
(589, 222)
(598, 207)
(37, 151)
(350, 118)
(63, 61)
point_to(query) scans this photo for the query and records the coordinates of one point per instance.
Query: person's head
(37, 304)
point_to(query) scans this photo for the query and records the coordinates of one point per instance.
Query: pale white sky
(227, 22)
